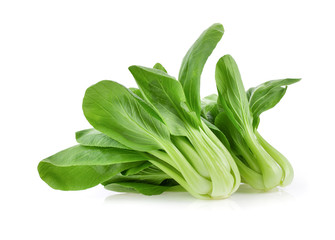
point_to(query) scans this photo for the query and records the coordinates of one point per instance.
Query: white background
(51, 51)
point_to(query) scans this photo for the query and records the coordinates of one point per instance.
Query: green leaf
(258, 92)
(113, 110)
(150, 181)
(94, 138)
(136, 169)
(217, 133)
(232, 97)
(238, 147)
(140, 98)
(209, 108)
(137, 92)
(280, 159)
(270, 100)
(82, 167)
(166, 95)
(144, 188)
(151, 175)
(225, 125)
(193, 64)
(160, 67)
(266, 96)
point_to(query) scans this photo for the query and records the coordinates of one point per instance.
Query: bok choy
(162, 137)
(155, 129)
(237, 116)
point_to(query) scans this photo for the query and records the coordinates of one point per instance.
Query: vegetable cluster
(162, 137)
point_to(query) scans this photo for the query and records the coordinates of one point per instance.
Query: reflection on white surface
(244, 199)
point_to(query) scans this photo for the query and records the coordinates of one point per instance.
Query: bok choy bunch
(149, 139)
(162, 137)
(236, 113)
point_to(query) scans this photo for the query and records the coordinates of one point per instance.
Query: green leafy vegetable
(209, 108)
(161, 121)
(238, 120)
(194, 62)
(82, 167)
(94, 138)
(144, 188)
(162, 137)
(160, 67)
(150, 181)
(266, 96)
(111, 108)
